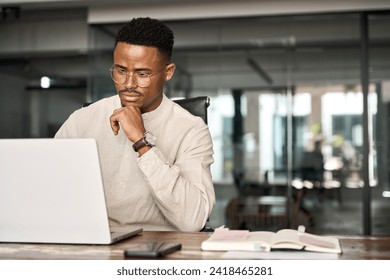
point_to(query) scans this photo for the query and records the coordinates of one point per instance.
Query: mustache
(124, 91)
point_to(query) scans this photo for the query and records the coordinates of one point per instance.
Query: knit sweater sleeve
(183, 190)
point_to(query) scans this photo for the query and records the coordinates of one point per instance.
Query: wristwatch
(148, 140)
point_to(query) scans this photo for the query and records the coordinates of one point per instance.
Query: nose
(130, 83)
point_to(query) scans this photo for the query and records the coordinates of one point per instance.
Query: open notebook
(224, 239)
(51, 191)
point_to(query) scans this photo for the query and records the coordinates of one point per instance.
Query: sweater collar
(158, 111)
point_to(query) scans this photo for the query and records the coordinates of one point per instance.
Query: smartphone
(152, 249)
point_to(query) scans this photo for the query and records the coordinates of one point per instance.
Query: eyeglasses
(142, 79)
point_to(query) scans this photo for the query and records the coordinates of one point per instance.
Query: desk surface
(354, 247)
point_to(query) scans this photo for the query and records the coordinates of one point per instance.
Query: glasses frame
(133, 75)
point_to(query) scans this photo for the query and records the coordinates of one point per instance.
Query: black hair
(147, 32)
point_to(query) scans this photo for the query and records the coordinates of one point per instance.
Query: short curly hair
(147, 32)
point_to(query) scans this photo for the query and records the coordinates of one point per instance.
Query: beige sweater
(169, 187)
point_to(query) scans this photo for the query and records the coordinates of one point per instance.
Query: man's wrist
(148, 140)
(143, 150)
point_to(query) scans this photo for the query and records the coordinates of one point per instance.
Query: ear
(169, 71)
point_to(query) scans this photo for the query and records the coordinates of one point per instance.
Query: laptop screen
(52, 191)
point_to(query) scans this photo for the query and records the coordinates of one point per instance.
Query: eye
(121, 71)
(142, 74)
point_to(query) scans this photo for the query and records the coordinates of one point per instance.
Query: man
(155, 155)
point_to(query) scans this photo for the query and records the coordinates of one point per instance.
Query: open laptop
(51, 191)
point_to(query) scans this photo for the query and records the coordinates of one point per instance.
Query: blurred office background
(300, 96)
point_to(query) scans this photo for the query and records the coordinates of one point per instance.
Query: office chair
(195, 105)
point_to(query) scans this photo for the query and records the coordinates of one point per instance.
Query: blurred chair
(266, 205)
(257, 213)
(260, 205)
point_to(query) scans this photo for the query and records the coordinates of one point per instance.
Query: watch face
(150, 139)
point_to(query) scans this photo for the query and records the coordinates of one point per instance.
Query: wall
(53, 43)
(14, 110)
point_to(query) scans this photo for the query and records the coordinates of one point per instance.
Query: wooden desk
(354, 247)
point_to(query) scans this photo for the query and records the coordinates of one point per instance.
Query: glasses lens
(118, 75)
(142, 80)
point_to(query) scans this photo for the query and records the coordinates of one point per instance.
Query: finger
(114, 123)
(114, 120)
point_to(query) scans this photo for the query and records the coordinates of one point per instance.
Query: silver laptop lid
(51, 191)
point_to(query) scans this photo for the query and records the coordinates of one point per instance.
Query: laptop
(51, 191)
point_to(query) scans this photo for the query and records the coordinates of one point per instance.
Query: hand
(128, 118)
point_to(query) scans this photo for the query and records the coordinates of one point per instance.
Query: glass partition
(300, 109)
(379, 73)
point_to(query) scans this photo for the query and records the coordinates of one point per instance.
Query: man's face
(142, 60)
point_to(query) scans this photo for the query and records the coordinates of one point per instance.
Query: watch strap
(139, 144)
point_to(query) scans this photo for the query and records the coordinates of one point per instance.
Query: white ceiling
(119, 10)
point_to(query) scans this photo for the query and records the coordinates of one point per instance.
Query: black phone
(151, 249)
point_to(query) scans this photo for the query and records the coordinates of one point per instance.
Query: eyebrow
(137, 69)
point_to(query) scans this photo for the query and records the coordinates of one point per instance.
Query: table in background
(354, 247)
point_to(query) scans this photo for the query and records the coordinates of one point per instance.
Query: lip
(131, 97)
